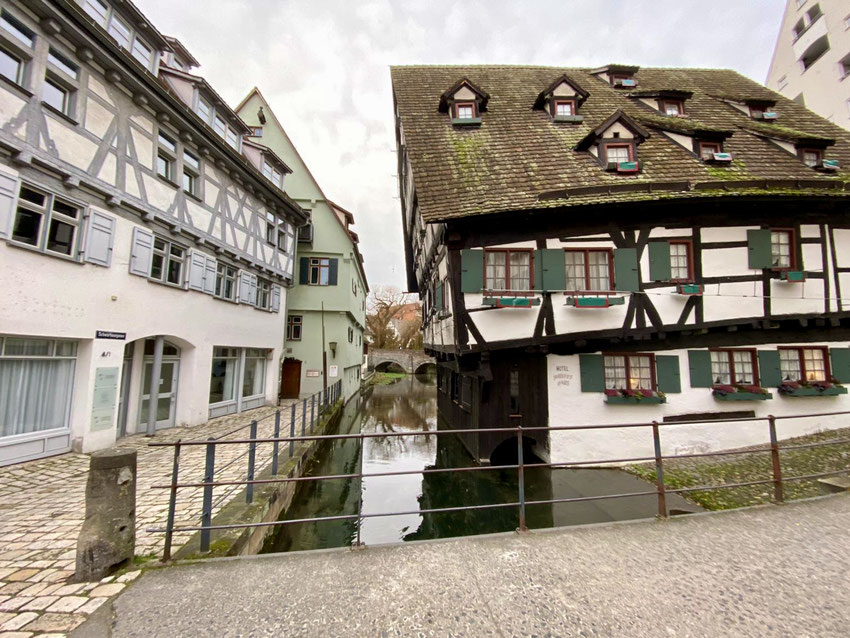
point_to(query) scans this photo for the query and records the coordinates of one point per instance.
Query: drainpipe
(240, 379)
(156, 372)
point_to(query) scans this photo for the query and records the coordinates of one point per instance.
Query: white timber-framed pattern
(130, 228)
(714, 232)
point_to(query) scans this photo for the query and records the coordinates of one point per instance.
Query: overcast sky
(324, 66)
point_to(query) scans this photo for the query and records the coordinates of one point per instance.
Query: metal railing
(660, 491)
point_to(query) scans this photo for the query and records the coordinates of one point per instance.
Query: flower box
(466, 121)
(690, 289)
(595, 302)
(792, 275)
(511, 302)
(740, 393)
(634, 397)
(570, 119)
(791, 389)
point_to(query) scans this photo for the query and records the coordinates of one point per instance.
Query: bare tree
(393, 319)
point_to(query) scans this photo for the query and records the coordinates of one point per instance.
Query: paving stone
(34, 590)
(129, 576)
(56, 622)
(91, 606)
(39, 603)
(5, 615)
(67, 590)
(16, 634)
(21, 575)
(67, 604)
(18, 621)
(14, 588)
(107, 590)
(11, 604)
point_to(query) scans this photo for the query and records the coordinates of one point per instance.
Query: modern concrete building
(326, 308)
(623, 245)
(811, 61)
(144, 255)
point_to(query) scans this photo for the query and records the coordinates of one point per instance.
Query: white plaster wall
(617, 127)
(569, 406)
(685, 141)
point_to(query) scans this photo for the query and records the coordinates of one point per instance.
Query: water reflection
(410, 405)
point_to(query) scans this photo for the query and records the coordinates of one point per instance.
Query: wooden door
(290, 379)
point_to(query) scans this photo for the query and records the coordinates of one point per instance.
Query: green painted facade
(344, 303)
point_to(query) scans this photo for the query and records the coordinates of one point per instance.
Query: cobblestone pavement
(42, 506)
(764, 572)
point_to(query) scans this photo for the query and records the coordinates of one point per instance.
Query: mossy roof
(518, 154)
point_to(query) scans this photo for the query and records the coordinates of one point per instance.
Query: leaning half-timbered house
(144, 251)
(624, 245)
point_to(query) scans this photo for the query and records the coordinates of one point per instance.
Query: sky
(324, 67)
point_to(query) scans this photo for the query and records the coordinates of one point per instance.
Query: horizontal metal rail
(208, 484)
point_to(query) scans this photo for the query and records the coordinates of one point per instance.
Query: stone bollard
(107, 541)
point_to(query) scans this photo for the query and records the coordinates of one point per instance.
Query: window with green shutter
(549, 273)
(592, 371)
(758, 249)
(770, 375)
(840, 360)
(626, 270)
(699, 366)
(659, 261)
(668, 377)
(472, 270)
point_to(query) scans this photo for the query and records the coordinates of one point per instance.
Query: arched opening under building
(428, 369)
(506, 453)
(389, 366)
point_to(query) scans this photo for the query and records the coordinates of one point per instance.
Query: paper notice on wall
(104, 398)
(333, 371)
(313, 373)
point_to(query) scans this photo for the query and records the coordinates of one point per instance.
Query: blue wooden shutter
(770, 374)
(9, 187)
(275, 305)
(333, 270)
(759, 254)
(210, 275)
(659, 261)
(304, 270)
(626, 270)
(100, 237)
(667, 373)
(141, 252)
(699, 366)
(549, 269)
(592, 370)
(472, 270)
(197, 270)
(245, 288)
(840, 359)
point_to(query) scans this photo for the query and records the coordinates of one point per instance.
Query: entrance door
(167, 394)
(290, 379)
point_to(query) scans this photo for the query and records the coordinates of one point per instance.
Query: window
(98, 10)
(756, 112)
(120, 31)
(508, 270)
(38, 376)
(164, 166)
(63, 64)
(17, 29)
(267, 169)
(847, 22)
(781, 248)
(629, 372)
(681, 263)
(220, 126)
(564, 107)
(46, 222)
(225, 282)
(225, 372)
(11, 67)
(782, 83)
(618, 153)
(811, 157)
(232, 138)
(673, 107)
(204, 109)
(285, 238)
(319, 271)
(465, 110)
(271, 229)
(350, 334)
(293, 327)
(56, 96)
(254, 379)
(191, 166)
(707, 150)
(256, 131)
(167, 262)
(734, 367)
(165, 157)
(277, 178)
(804, 364)
(142, 52)
(589, 269)
(264, 293)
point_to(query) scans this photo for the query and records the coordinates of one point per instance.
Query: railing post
(252, 456)
(358, 543)
(172, 504)
(276, 446)
(206, 507)
(312, 411)
(304, 418)
(659, 472)
(292, 431)
(778, 494)
(520, 479)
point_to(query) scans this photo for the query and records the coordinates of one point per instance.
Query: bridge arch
(408, 360)
(428, 367)
(389, 366)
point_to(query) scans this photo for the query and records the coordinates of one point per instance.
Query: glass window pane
(495, 270)
(97, 10)
(119, 31)
(142, 52)
(204, 109)
(27, 227)
(615, 372)
(35, 395)
(33, 197)
(617, 154)
(520, 271)
(17, 28)
(575, 273)
(63, 64)
(789, 365)
(60, 237)
(743, 367)
(55, 96)
(220, 126)
(191, 160)
(255, 373)
(232, 138)
(174, 269)
(167, 142)
(223, 378)
(815, 364)
(27, 347)
(600, 274)
(720, 371)
(640, 373)
(780, 248)
(156, 266)
(10, 67)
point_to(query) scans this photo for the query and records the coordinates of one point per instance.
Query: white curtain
(255, 373)
(35, 394)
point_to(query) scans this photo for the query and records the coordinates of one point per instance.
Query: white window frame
(264, 294)
(225, 273)
(167, 256)
(48, 216)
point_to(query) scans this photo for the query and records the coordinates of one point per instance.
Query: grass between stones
(386, 378)
(682, 473)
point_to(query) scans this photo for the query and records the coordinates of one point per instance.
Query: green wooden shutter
(758, 249)
(626, 270)
(592, 372)
(472, 270)
(770, 375)
(659, 261)
(667, 373)
(549, 269)
(304, 270)
(699, 364)
(438, 296)
(840, 359)
(333, 269)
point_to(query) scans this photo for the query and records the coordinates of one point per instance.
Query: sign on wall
(333, 371)
(109, 334)
(104, 399)
(312, 373)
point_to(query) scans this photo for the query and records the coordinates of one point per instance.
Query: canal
(410, 405)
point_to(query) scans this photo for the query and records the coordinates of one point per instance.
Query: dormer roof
(669, 94)
(210, 94)
(265, 150)
(686, 126)
(448, 97)
(181, 51)
(796, 137)
(624, 69)
(563, 79)
(617, 116)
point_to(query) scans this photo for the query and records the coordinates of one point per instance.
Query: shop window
(225, 374)
(254, 377)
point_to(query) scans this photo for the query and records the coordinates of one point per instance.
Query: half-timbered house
(623, 245)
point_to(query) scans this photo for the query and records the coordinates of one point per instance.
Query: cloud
(324, 66)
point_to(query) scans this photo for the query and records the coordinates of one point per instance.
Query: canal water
(410, 405)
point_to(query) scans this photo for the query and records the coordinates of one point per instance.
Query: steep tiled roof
(518, 154)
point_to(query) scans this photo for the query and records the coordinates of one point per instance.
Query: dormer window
(620, 80)
(812, 157)
(565, 108)
(614, 143)
(465, 110)
(616, 153)
(464, 103)
(708, 149)
(673, 108)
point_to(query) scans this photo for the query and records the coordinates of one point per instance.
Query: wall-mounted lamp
(332, 346)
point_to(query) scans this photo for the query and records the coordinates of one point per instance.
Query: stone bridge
(411, 361)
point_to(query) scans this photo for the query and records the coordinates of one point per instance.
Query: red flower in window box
(791, 385)
(727, 389)
(821, 385)
(647, 393)
(629, 393)
(755, 389)
(612, 393)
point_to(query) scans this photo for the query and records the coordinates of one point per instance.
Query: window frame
(169, 155)
(652, 372)
(223, 275)
(508, 252)
(689, 244)
(702, 146)
(16, 48)
(729, 352)
(664, 103)
(319, 267)
(264, 294)
(801, 154)
(620, 76)
(456, 109)
(827, 369)
(556, 102)
(294, 322)
(46, 212)
(618, 144)
(792, 243)
(586, 251)
(194, 172)
(166, 262)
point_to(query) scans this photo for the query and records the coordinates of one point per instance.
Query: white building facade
(134, 238)
(811, 60)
